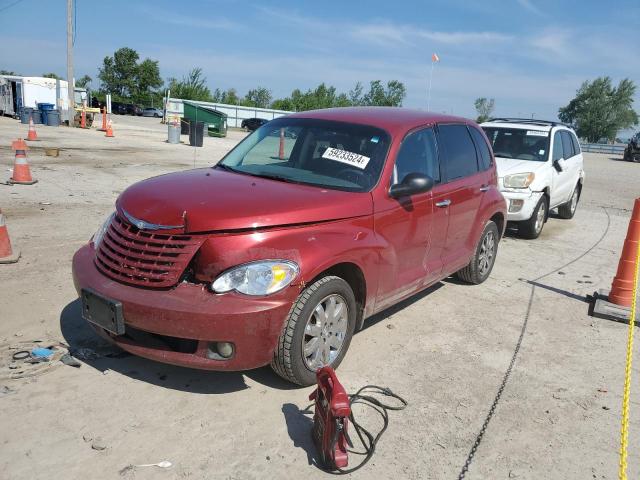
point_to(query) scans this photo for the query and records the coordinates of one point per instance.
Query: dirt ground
(445, 351)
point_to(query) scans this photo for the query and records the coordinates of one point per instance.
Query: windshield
(519, 143)
(325, 153)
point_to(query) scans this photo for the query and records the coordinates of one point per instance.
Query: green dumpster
(216, 121)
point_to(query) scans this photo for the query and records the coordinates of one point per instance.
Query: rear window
(576, 144)
(484, 155)
(457, 151)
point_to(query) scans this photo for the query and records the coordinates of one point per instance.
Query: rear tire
(532, 228)
(568, 210)
(296, 356)
(484, 258)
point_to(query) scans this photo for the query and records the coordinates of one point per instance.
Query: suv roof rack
(530, 121)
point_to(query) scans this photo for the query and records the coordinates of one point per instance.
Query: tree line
(131, 80)
(598, 111)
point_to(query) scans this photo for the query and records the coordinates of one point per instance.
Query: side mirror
(560, 165)
(412, 184)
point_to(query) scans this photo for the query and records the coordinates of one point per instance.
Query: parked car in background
(540, 167)
(152, 112)
(632, 151)
(118, 108)
(252, 124)
(133, 109)
(278, 255)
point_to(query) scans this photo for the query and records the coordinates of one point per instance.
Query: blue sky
(530, 55)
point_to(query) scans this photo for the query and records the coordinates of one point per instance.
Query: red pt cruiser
(280, 252)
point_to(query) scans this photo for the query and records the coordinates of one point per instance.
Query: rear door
(461, 193)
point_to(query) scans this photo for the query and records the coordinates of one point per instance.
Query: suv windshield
(519, 143)
(325, 153)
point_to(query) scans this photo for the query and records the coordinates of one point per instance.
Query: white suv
(540, 168)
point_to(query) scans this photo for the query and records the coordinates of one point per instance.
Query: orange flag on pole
(435, 57)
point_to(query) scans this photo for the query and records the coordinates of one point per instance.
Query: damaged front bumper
(180, 325)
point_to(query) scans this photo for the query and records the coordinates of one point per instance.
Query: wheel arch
(354, 276)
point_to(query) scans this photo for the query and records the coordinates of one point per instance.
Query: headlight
(97, 237)
(519, 180)
(257, 278)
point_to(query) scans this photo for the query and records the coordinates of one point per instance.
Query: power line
(10, 5)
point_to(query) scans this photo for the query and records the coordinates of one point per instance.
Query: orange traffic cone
(109, 130)
(21, 172)
(104, 120)
(7, 255)
(281, 149)
(32, 136)
(622, 285)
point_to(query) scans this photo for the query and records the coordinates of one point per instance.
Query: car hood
(210, 199)
(509, 166)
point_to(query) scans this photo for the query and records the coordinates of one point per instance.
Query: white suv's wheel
(532, 228)
(568, 210)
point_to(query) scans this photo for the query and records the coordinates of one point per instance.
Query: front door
(562, 181)
(412, 229)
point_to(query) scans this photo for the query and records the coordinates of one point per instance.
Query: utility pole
(70, 82)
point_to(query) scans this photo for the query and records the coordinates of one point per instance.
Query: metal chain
(492, 410)
(507, 374)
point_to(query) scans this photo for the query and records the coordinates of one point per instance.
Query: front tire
(532, 228)
(484, 258)
(568, 210)
(317, 332)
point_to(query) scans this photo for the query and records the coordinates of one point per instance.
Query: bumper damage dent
(190, 313)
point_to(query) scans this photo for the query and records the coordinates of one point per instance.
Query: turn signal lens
(97, 237)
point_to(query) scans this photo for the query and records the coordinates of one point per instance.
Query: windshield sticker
(350, 158)
(540, 152)
(536, 133)
(375, 139)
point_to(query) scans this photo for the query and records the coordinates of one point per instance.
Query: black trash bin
(184, 126)
(196, 133)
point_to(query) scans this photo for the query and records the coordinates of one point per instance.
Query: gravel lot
(445, 351)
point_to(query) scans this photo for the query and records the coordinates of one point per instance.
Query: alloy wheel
(487, 252)
(325, 332)
(574, 201)
(542, 210)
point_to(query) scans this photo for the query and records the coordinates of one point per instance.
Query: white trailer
(21, 92)
(6, 97)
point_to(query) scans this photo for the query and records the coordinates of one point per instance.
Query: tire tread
(282, 362)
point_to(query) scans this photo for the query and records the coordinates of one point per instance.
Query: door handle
(443, 203)
(484, 188)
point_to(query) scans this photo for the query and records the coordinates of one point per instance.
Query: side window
(458, 152)
(567, 144)
(558, 152)
(418, 154)
(484, 155)
(576, 144)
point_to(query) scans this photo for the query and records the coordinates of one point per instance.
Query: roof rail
(531, 121)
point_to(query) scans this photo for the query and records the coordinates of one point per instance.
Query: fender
(315, 248)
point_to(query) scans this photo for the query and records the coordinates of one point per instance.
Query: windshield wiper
(222, 166)
(280, 178)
